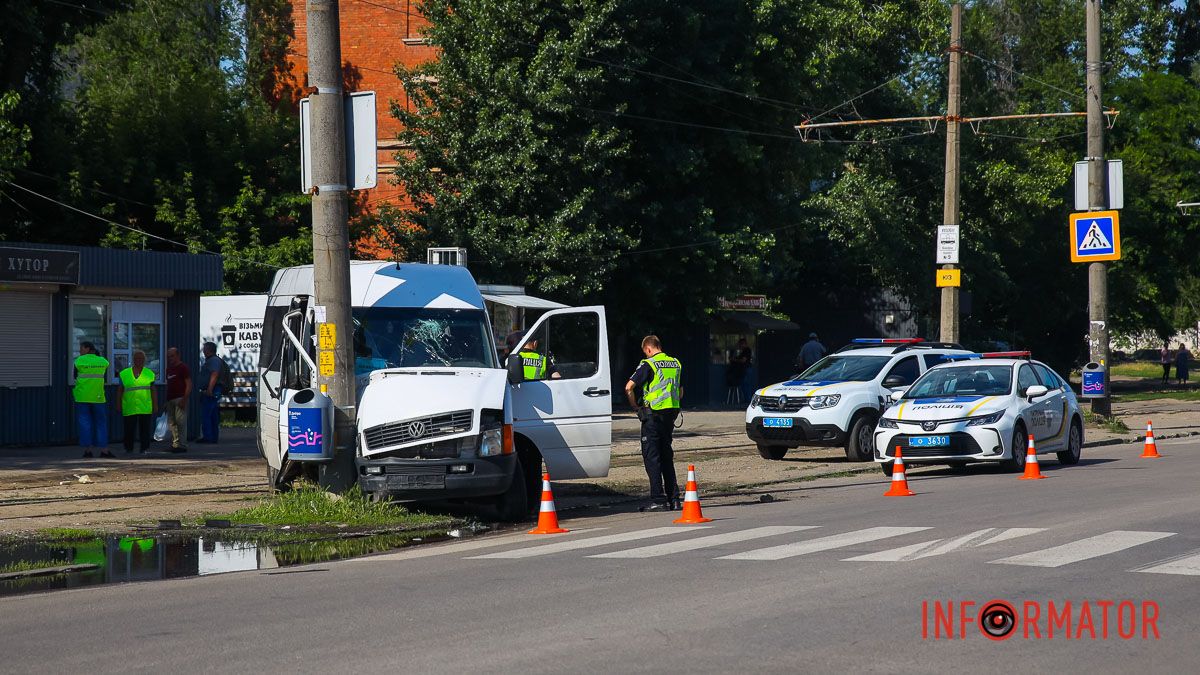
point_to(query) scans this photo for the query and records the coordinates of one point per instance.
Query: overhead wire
(136, 230)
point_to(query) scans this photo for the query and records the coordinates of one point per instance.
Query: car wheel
(1019, 448)
(1074, 445)
(887, 468)
(513, 505)
(860, 442)
(775, 452)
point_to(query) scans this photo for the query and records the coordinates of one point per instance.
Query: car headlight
(985, 419)
(754, 401)
(491, 443)
(820, 402)
(885, 423)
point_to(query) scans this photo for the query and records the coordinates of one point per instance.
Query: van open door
(568, 412)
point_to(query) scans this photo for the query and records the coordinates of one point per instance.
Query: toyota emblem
(416, 429)
(929, 426)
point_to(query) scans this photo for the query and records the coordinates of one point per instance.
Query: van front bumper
(435, 479)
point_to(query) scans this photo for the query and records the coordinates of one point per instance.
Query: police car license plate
(780, 422)
(929, 442)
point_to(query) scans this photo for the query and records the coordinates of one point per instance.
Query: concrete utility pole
(1097, 201)
(331, 245)
(950, 212)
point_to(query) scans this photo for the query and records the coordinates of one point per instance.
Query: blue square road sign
(1095, 236)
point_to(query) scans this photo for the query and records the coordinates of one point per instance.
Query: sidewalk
(39, 487)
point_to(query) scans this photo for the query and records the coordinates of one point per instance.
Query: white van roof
(387, 284)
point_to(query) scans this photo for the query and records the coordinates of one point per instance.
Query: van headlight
(885, 423)
(491, 443)
(985, 419)
(821, 402)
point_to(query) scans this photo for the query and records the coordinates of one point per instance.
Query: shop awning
(758, 321)
(522, 301)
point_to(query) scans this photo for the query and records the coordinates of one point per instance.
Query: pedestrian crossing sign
(1095, 236)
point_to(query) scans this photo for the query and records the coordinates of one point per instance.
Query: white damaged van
(439, 417)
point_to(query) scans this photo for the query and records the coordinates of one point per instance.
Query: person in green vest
(531, 364)
(654, 391)
(139, 405)
(91, 411)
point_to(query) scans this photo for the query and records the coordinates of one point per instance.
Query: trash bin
(1095, 384)
(309, 417)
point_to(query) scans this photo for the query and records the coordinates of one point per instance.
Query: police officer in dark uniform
(657, 380)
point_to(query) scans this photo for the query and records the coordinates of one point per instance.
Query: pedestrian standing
(657, 378)
(179, 388)
(138, 402)
(215, 380)
(1182, 355)
(532, 364)
(1165, 359)
(811, 352)
(91, 410)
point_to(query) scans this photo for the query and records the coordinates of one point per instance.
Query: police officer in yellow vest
(531, 364)
(657, 378)
(91, 412)
(139, 404)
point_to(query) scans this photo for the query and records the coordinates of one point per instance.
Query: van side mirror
(1035, 391)
(894, 381)
(516, 370)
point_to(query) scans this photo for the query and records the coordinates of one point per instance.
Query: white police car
(838, 400)
(982, 408)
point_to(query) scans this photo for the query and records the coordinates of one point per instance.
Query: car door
(1056, 406)
(1034, 413)
(569, 417)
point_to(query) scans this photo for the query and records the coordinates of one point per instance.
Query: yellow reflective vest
(89, 378)
(135, 400)
(663, 392)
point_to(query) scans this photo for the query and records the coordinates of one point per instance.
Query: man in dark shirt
(179, 387)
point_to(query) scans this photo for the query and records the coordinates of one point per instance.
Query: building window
(137, 325)
(25, 321)
(89, 323)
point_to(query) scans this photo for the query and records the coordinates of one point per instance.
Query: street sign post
(1095, 236)
(947, 245)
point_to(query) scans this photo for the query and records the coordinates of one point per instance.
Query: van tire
(773, 452)
(860, 439)
(512, 506)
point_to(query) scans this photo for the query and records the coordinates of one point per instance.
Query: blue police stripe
(947, 399)
(810, 383)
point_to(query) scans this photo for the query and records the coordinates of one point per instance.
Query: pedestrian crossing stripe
(1084, 549)
(1095, 236)
(592, 542)
(710, 541)
(1186, 564)
(823, 543)
(928, 549)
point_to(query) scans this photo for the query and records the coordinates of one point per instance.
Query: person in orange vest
(91, 411)
(138, 403)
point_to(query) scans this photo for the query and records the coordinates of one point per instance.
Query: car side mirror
(893, 381)
(1035, 391)
(897, 395)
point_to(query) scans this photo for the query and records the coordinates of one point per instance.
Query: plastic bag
(160, 427)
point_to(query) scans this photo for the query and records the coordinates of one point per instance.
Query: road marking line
(559, 547)
(457, 547)
(1084, 549)
(928, 549)
(704, 542)
(1188, 563)
(823, 543)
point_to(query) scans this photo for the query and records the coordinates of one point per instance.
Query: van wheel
(775, 452)
(860, 442)
(513, 505)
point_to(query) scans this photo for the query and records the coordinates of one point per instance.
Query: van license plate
(929, 442)
(779, 422)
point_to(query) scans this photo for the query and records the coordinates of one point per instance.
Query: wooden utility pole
(331, 238)
(1097, 201)
(950, 211)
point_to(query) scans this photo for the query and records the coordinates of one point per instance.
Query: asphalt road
(764, 587)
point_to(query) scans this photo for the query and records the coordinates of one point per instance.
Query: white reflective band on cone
(691, 476)
(547, 505)
(545, 486)
(691, 496)
(897, 476)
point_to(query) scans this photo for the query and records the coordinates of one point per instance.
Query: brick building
(376, 35)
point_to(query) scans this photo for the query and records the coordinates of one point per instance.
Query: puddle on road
(172, 556)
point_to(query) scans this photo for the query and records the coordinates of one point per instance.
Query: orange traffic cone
(899, 482)
(1032, 470)
(691, 501)
(1151, 450)
(547, 516)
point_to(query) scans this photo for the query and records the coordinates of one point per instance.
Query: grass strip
(307, 504)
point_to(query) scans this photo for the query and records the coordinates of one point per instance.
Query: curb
(1138, 439)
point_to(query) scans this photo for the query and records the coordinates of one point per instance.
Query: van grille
(417, 429)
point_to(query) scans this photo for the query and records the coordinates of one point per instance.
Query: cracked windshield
(391, 337)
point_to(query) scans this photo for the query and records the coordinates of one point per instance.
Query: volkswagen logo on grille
(783, 401)
(929, 426)
(416, 429)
